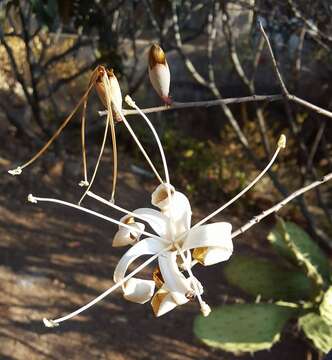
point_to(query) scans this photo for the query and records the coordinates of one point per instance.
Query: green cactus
(243, 327)
(258, 276)
(294, 243)
(325, 307)
(316, 329)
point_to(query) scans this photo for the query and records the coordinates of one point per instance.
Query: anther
(17, 171)
(32, 199)
(50, 323)
(83, 183)
(205, 309)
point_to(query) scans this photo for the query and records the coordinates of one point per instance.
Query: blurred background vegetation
(214, 49)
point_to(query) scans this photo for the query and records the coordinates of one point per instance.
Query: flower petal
(147, 246)
(175, 281)
(138, 290)
(125, 236)
(162, 302)
(179, 211)
(155, 219)
(159, 197)
(212, 242)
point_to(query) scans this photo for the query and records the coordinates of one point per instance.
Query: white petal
(162, 302)
(159, 197)
(122, 238)
(148, 246)
(125, 236)
(175, 281)
(213, 255)
(216, 238)
(138, 291)
(155, 219)
(179, 211)
(160, 78)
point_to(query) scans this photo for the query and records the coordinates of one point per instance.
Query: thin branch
(248, 83)
(308, 105)
(296, 132)
(315, 144)
(256, 219)
(274, 61)
(309, 23)
(237, 100)
(206, 104)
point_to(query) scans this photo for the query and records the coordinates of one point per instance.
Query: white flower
(174, 245)
(210, 244)
(159, 73)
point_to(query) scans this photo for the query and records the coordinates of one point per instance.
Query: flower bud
(159, 72)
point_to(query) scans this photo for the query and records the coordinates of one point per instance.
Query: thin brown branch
(256, 219)
(237, 100)
(248, 83)
(209, 103)
(274, 61)
(315, 144)
(296, 132)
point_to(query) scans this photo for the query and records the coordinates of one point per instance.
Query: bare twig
(279, 205)
(315, 144)
(209, 103)
(238, 100)
(309, 23)
(274, 61)
(296, 132)
(248, 83)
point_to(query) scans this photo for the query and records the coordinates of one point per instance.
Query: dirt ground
(54, 259)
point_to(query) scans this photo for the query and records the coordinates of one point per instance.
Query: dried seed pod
(115, 91)
(159, 73)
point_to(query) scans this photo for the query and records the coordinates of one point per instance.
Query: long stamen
(34, 199)
(109, 101)
(281, 145)
(98, 160)
(109, 203)
(205, 309)
(19, 169)
(55, 322)
(132, 133)
(85, 171)
(132, 103)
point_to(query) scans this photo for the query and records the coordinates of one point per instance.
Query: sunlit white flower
(212, 243)
(159, 73)
(176, 245)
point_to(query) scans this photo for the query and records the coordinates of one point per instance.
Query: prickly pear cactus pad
(302, 242)
(325, 307)
(257, 276)
(316, 329)
(243, 327)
